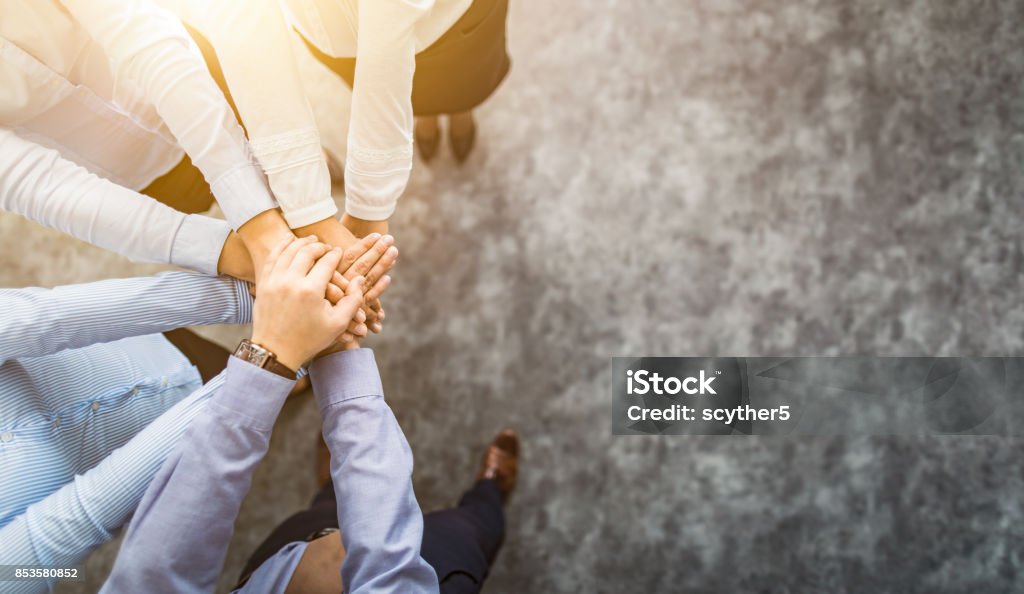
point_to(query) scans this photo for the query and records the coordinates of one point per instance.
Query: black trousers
(460, 543)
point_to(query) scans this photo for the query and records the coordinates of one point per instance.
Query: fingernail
(388, 239)
(373, 236)
(392, 252)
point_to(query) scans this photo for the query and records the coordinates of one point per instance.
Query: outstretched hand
(371, 257)
(292, 316)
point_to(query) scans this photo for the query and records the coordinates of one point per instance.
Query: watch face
(253, 353)
(258, 356)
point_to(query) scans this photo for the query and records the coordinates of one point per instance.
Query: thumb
(347, 306)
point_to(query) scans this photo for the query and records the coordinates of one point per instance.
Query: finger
(376, 327)
(382, 266)
(334, 294)
(373, 295)
(325, 268)
(307, 257)
(346, 309)
(360, 316)
(357, 329)
(284, 262)
(357, 249)
(364, 263)
(346, 337)
(276, 252)
(375, 305)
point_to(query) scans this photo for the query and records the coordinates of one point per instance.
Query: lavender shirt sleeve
(177, 541)
(371, 464)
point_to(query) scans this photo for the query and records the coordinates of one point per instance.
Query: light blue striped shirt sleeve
(62, 529)
(39, 321)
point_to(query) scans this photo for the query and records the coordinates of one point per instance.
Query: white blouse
(118, 87)
(253, 41)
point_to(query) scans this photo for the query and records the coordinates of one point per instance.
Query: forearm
(62, 529)
(371, 465)
(380, 134)
(362, 227)
(151, 48)
(330, 231)
(254, 47)
(40, 185)
(39, 321)
(179, 535)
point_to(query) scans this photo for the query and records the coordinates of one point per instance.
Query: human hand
(335, 233)
(235, 259)
(362, 227)
(262, 233)
(291, 316)
(371, 257)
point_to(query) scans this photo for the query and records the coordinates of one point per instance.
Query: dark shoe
(427, 145)
(501, 462)
(462, 143)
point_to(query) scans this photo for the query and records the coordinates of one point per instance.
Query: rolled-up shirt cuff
(369, 212)
(313, 213)
(343, 376)
(243, 193)
(198, 243)
(251, 396)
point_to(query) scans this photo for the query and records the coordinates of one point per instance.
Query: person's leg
(208, 357)
(427, 133)
(461, 134)
(461, 543)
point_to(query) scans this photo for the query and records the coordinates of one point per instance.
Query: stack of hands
(313, 299)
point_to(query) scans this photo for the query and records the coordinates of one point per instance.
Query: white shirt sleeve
(254, 47)
(379, 155)
(150, 47)
(39, 184)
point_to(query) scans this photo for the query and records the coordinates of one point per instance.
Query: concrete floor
(815, 177)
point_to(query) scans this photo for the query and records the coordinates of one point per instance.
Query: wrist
(363, 227)
(259, 356)
(235, 260)
(262, 232)
(285, 355)
(329, 231)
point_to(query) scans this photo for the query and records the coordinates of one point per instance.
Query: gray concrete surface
(732, 177)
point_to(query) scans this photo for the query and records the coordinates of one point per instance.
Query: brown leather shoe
(501, 462)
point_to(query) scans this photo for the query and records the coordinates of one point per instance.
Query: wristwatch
(260, 357)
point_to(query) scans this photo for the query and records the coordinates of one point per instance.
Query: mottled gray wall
(707, 178)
